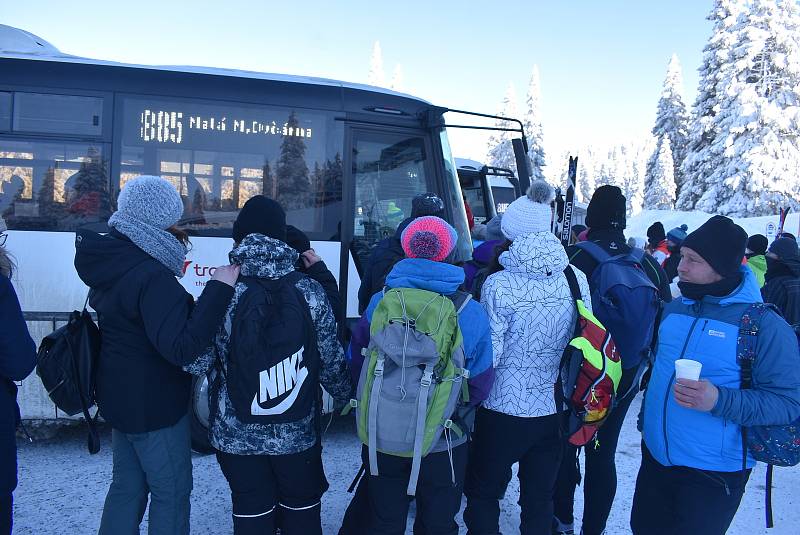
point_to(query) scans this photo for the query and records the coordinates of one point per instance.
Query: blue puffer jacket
(707, 331)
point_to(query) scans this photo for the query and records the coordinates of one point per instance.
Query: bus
(345, 160)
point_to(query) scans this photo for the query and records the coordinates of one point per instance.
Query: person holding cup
(691, 478)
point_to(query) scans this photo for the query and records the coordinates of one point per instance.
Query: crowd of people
(450, 370)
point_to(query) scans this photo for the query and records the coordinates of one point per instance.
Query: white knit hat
(531, 213)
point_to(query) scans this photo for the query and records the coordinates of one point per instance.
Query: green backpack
(413, 376)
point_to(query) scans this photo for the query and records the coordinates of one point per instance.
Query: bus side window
(53, 185)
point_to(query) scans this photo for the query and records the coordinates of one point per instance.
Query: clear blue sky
(602, 62)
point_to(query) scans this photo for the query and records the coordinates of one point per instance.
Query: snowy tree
(700, 160)
(291, 173)
(532, 125)
(660, 190)
(397, 79)
(758, 123)
(672, 119)
(376, 75)
(500, 151)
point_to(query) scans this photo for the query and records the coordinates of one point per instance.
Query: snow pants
(600, 479)
(438, 499)
(675, 500)
(158, 463)
(499, 441)
(276, 491)
(6, 513)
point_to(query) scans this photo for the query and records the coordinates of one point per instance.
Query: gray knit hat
(493, 231)
(151, 200)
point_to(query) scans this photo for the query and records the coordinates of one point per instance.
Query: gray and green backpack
(413, 376)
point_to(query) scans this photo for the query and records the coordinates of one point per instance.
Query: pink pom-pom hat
(428, 237)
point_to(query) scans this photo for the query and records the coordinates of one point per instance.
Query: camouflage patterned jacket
(263, 257)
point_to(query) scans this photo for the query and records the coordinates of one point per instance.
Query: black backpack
(66, 363)
(273, 360)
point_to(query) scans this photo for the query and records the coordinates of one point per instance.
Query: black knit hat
(656, 233)
(758, 243)
(297, 239)
(606, 209)
(260, 215)
(427, 204)
(721, 243)
(785, 249)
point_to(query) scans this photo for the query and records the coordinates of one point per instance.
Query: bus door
(385, 169)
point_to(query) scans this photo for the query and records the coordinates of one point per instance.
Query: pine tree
(376, 75)
(291, 174)
(672, 119)
(500, 150)
(268, 184)
(532, 125)
(758, 123)
(700, 159)
(660, 188)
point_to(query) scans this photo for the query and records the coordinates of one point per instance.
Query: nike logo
(286, 376)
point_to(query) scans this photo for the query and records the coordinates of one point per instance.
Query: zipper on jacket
(672, 379)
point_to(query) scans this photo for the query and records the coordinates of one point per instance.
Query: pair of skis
(565, 205)
(782, 215)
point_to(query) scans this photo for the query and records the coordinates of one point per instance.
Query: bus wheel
(198, 413)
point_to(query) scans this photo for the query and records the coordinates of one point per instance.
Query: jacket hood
(748, 291)
(485, 251)
(262, 257)
(426, 274)
(793, 264)
(102, 259)
(538, 255)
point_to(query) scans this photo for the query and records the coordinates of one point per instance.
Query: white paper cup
(687, 369)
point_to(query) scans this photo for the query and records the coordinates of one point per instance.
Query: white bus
(345, 160)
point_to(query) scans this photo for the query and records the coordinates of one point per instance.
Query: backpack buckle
(465, 373)
(379, 367)
(427, 375)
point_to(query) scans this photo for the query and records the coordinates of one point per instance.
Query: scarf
(154, 241)
(720, 288)
(776, 268)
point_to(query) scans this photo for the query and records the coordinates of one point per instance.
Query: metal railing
(53, 317)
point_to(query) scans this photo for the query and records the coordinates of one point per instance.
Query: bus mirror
(523, 165)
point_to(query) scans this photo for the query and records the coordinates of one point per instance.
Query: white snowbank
(637, 225)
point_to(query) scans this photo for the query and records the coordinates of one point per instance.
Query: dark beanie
(297, 240)
(656, 233)
(606, 209)
(785, 249)
(721, 243)
(427, 204)
(260, 215)
(788, 235)
(758, 244)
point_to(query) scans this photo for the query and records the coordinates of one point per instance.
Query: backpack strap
(460, 300)
(419, 434)
(638, 255)
(575, 290)
(595, 251)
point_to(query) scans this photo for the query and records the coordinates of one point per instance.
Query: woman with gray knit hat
(150, 327)
(531, 314)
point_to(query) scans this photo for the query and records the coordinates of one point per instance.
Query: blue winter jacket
(707, 331)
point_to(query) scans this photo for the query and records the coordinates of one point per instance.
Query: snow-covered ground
(62, 488)
(637, 225)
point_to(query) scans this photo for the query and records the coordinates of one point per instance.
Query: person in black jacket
(388, 252)
(782, 286)
(312, 265)
(17, 360)
(150, 327)
(606, 219)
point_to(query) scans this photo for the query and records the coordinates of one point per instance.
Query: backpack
(66, 363)
(625, 300)
(413, 376)
(775, 445)
(589, 373)
(273, 362)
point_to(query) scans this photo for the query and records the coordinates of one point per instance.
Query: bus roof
(19, 44)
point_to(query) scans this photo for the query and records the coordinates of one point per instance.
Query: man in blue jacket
(691, 478)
